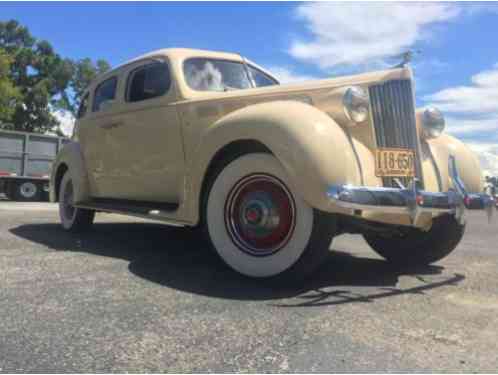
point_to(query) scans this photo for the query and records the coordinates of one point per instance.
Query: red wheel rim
(260, 215)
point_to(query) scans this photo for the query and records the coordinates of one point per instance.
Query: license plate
(394, 162)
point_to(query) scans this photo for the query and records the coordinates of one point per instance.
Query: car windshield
(204, 74)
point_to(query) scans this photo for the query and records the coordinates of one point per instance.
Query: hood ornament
(406, 58)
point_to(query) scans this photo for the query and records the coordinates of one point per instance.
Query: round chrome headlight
(433, 122)
(356, 104)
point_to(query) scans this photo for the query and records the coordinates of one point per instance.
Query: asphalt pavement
(138, 296)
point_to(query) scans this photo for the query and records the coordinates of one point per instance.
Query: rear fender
(71, 157)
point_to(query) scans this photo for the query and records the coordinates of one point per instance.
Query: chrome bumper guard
(411, 200)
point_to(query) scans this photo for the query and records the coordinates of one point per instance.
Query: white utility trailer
(25, 164)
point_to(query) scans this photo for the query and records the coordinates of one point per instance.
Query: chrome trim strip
(392, 112)
(355, 152)
(434, 164)
(418, 141)
(411, 200)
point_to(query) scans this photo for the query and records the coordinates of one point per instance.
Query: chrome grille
(393, 115)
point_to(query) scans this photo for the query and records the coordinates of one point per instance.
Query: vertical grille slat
(393, 116)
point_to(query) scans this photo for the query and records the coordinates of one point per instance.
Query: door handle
(111, 125)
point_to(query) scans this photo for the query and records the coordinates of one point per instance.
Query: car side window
(104, 92)
(83, 106)
(148, 81)
(261, 79)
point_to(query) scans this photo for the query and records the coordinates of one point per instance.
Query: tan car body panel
(312, 148)
(303, 125)
(71, 156)
(467, 162)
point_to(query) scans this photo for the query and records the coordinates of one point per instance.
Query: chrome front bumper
(411, 201)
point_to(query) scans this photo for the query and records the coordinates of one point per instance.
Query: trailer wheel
(26, 191)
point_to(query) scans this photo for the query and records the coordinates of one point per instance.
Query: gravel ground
(137, 296)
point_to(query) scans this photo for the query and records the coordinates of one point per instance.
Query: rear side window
(83, 107)
(104, 92)
(147, 82)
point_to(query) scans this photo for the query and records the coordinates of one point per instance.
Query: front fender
(72, 157)
(313, 149)
(467, 162)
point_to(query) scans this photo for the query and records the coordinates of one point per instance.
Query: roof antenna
(406, 58)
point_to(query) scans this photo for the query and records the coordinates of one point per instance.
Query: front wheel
(72, 218)
(416, 247)
(259, 225)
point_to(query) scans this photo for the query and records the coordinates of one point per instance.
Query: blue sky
(456, 70)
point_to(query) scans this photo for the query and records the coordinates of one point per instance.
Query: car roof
(181, 54)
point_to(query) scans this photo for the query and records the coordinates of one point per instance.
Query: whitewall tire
(258, 223)
(72, 218)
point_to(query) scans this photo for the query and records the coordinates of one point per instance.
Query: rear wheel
(416, 247)
(72, 218)
(258, 224)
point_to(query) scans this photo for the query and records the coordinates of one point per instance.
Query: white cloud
(359, 33)
(489, 163)
(488, 157)
(472, 113)
(472, 110)
(286, 75)
(480, 97)
(469, 127)
(66, 120)
(484, 147)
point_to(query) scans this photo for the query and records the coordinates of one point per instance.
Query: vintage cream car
(269, 172)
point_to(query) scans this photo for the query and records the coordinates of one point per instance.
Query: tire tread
(420, 248)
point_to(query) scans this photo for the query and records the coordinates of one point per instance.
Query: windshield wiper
(229, 88)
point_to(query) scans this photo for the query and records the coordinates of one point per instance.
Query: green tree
(39, 74)
(84, 72)
(35, 80)
(9, 95)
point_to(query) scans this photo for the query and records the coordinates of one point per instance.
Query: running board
(143, 209)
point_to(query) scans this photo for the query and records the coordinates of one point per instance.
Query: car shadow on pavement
(179, 258)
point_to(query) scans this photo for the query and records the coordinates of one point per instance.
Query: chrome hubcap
(260, 215)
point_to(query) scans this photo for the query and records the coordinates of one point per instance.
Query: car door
(93, 133)
(145, 160)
